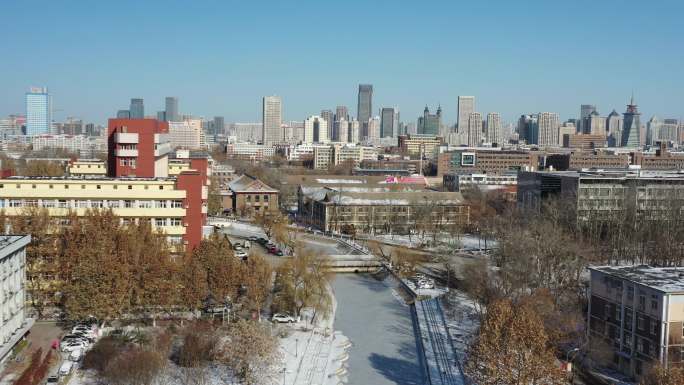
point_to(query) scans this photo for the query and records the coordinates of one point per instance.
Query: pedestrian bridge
(353, 263)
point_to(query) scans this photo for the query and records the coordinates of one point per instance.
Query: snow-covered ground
(444, 242)
(462, 320)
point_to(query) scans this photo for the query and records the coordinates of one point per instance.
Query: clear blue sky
(221, 57)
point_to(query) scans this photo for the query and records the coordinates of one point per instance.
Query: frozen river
(379, 327)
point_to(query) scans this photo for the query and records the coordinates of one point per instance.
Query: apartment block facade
(485, 161)
(13, 324)
(637, 313)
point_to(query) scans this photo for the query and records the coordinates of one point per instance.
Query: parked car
(272, 249)
(283, 318)
(253, 238)
(279, 253)
(66, 367)
(52, 379)
(76, 355)
(262, 241)
(247, 244)
(241, 254)
(71, 345)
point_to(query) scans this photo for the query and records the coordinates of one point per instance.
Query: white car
(241, 254)
(283, 318)
(70, 346)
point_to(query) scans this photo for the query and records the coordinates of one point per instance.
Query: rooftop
(665, 279)
(618, 174)
(10, 243)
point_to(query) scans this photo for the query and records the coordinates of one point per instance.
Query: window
(62, 204)
(97, 204)
(128, 203)
(639, 345)
(82, 187)
(15, 203)
(161, 187)
(640, 322)
(130, 187)
(113, 204)
(48, 203)
(654, 328)
(33, 186)
(248, 198)
(617, 313)
(83, 204)
(177, 204)
(52, 186)
(266, 198)
(144, 204)
(66, 186)
(654, 302)
(160, 222)
(160, 204)
(31, 203)
(176, 222)
(98, 187)
(630, 293)
(257, 198)
(642, 302)
(116, 187)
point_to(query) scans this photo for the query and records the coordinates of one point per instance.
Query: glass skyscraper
(137, 109)
(38, 111)
(172, 109)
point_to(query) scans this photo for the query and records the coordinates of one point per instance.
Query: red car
(272, 249)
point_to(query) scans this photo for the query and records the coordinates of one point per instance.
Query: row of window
(257, 198)
(94, 204)
(83, 186)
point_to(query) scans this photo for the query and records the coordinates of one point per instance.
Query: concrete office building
(474, 129)
(493, 128)
(466, 106)
(272, 115)
(13, 325)
(38, 111)
(341, 112)
(329, 118)
(184, 135)
(316, 130)
(548, 124)
(137, 109)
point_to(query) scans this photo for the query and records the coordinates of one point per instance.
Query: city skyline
(222, 74)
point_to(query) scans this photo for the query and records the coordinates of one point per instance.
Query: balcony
(124, 137)
(126, 153)
(162, 149)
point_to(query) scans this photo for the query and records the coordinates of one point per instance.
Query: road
(380, 329)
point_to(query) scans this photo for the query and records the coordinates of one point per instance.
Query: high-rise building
(185, 135)
(373, 129)
(342, 131)
(614, 129)
(161, 115)
(38, 111)
(171, 112)
(316, 130)
(388, 123)
(364, 107)
(631, 126)
(585, 111)
(365, 102)
(354, 131)
(219, 125)
(669, 131)
(329, 118)
(137, 108)
(341, 112)
(528, 129)
(493, 129)
(652, 130)
(594, 124)
(272, 115)
(474, 129)
(466, 106)
(123, 114)
(429, 124)
(548, 124)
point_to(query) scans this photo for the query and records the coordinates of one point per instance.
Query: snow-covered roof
(247, 183)
(393, 198)
(665, 279)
